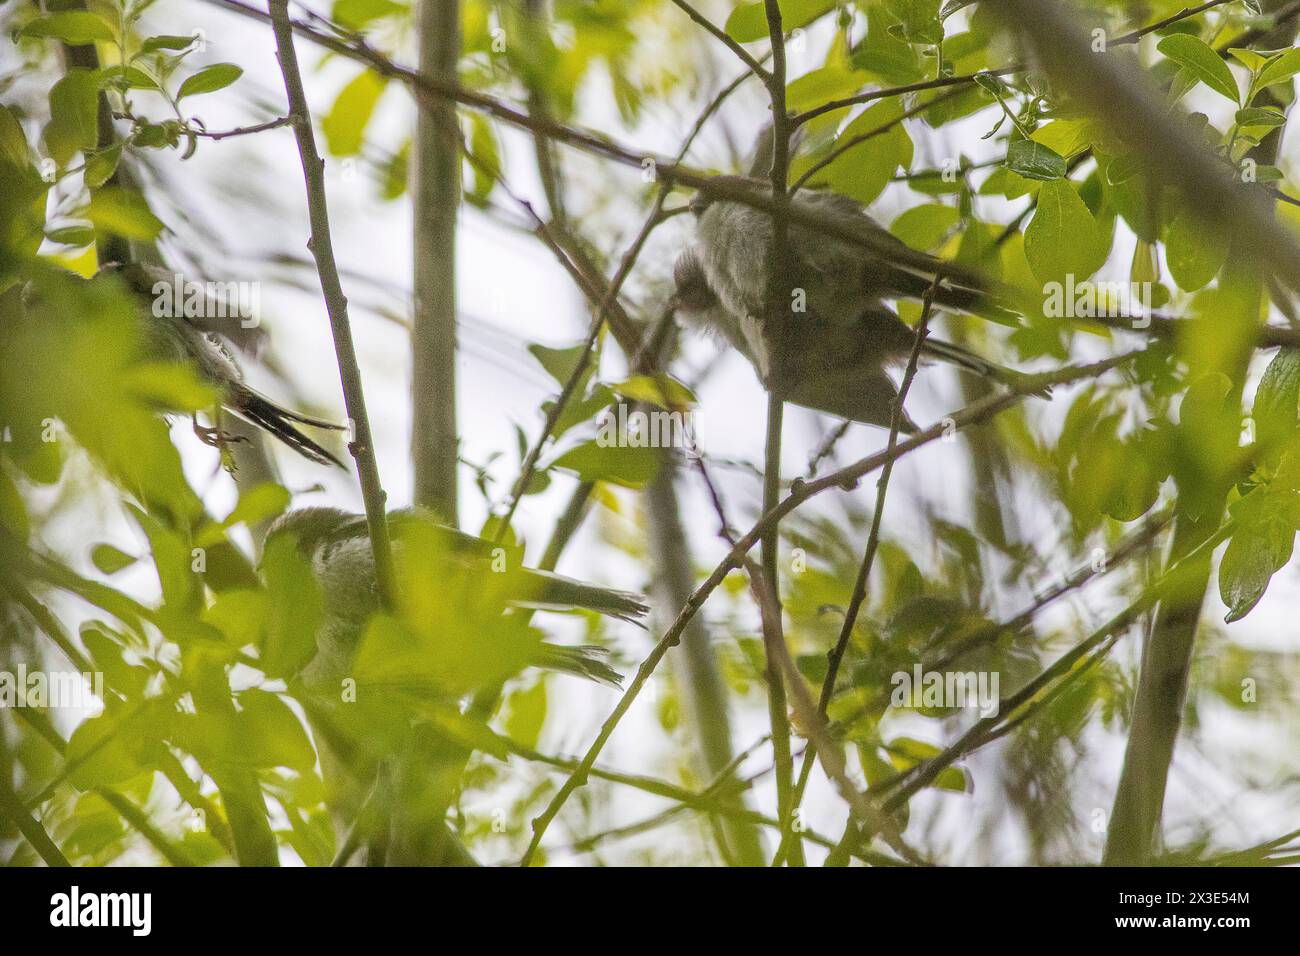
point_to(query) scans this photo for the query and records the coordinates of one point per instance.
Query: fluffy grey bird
(385, 755)
(199, 342)
(842, 334)
(338, 545)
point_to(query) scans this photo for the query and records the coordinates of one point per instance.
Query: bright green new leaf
(345, 124)
(124, 213)
(864, 169)
(1258, 549)
(918, 20)
(209, 80)
(1063, 238)
(924, 227)
(1197, 56)
(75, 27)
(271, 734)
(1276, 399)
(13, 142)
(74, 114)
(663, 391)
(631, 467)
(102, 753)
(172, 42)
(526, 713)
(906, 752)
(1195, 253)
(296, 606)
(109, 559)
(1279, 69)
(748, 22)
(260, 503)
(355, 14)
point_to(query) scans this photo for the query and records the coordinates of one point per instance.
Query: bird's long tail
(280, 422)
(586, 660)
(955, 294)
(956, 355)
(552, 591)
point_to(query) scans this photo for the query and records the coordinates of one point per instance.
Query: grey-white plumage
(338, 546)
(842, 333)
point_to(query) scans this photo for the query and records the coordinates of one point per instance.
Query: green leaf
(864, 169)
(1256, 552)
(1198, 57)
(259, 503)
(101, 164)
(13, 142)
(393, 175)
(209, 80)
(238, 615)
(663, 391)
(102, 753)
(75, 27)
(486, 163)
(345, 124)
(297, 609)
(559, 363)
(526, 713)
(1195, 253)
(124, 213)
(906, 752)
(74, 114)
(166, 43)
(72, 235)
(1248, 58)
(355, 14)
(1274, 411)
(1279, 69)
(918, 20)
(109, 559)
(1260, 116)
(1033, 160)
(1063, 239)
(924, 227)
(271, 734)
(748, 22)
(630, 467)
(892, 59)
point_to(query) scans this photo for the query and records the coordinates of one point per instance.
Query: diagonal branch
(336, 304)
(800, 493)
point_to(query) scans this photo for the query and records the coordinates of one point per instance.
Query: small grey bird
(385, 755)
(200, 343)
(842, 335)
(338, 545)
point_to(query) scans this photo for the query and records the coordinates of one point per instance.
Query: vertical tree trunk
(436, 198)
(704, 693)
(1167, 654)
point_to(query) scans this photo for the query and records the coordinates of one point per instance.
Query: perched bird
(390, 752)
(199, 341)
(841, 335)
(337, 544)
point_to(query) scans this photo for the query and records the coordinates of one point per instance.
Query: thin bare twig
(721, 36)
(362, 444)
(859, 593)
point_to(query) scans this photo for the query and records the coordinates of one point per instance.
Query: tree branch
(362, 445)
